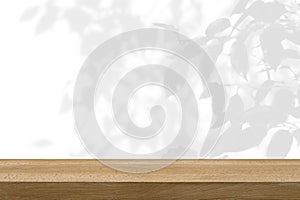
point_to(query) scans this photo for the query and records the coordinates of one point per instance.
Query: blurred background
(43, 44)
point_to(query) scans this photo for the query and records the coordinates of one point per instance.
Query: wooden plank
(149, 191)
(188, 171)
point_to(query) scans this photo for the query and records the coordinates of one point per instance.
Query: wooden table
(184, 179)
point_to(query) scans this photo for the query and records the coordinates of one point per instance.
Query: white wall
(43, 45)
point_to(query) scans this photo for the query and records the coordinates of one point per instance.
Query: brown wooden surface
(82, 191)
(184, 179)
(180, 171)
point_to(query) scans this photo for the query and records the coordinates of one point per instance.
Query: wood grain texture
(184, 179)
(11, 191)
(183, 171)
